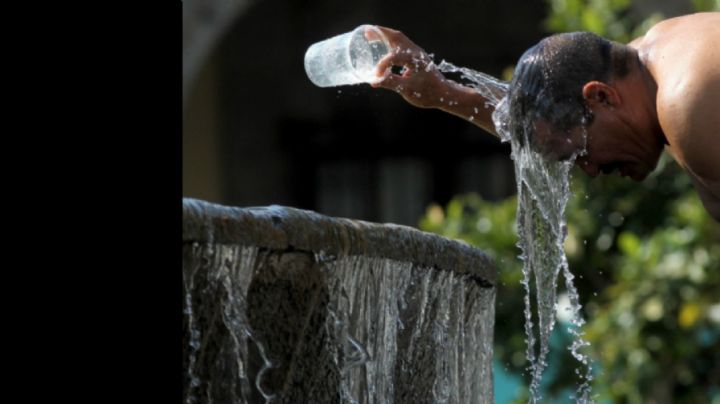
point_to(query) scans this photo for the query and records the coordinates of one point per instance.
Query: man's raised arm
(421, 84)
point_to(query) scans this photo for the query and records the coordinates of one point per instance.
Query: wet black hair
(549, 78)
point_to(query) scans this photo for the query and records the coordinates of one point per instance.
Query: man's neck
(640, 90)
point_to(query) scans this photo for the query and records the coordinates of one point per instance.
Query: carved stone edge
(285, 228)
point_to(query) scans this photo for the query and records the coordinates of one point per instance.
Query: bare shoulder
(687, 112)
(683, 57)
(681, 41)
(686, 25)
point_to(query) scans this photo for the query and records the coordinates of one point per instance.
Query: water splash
(391, 331)
(490, 87)
(217, 325)
(543, 185)
(543, 193)
(434, 316)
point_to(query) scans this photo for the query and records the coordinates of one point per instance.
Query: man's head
(569, 85)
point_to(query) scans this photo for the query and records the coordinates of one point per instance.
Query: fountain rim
(282, 228)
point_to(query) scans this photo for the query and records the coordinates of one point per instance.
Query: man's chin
(638, 175)
(633, 172)
(638, 171)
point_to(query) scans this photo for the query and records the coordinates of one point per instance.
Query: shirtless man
(661, 90)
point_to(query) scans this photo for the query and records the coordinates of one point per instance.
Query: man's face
(608, 147)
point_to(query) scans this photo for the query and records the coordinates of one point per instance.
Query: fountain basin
(292, 306)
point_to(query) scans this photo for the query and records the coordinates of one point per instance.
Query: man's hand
(418, 81)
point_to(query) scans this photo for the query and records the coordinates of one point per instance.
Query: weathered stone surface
(260, 289)
(282, 228)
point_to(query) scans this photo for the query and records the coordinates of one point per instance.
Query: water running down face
(604, 146)
(573, 95)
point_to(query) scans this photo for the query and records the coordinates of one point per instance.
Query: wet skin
(668, 101)
(624, 134)
(614, 143)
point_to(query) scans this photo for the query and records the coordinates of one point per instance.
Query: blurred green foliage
(706, 5)
(647, 263)
(614, 19)
(646, 258)
(608, 18)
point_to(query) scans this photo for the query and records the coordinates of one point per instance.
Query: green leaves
(647, 260)
(609, 18)
(629, 244)
(706, 5)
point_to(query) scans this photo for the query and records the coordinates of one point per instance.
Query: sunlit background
(646, 256)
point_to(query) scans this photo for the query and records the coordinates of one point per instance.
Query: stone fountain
(290, 306)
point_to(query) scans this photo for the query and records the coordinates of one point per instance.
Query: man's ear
(597, 93)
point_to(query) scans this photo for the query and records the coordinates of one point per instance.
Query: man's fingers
(385, 64)
(372, 35)
(389, 81)
(398, 39)
(392, 34)
(405, 58)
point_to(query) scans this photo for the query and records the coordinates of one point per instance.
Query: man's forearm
(422, 84)
(467, 103)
